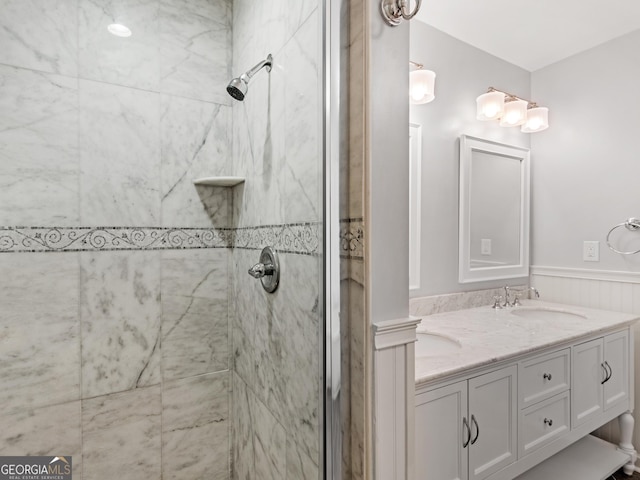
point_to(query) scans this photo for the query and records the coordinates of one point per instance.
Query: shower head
(238, 87)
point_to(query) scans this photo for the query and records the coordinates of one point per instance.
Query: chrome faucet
(507, 289)
(516, 301)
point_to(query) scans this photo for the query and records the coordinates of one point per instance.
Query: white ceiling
(532, 33)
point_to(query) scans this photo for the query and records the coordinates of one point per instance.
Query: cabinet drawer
(543, 377)
(542, 423)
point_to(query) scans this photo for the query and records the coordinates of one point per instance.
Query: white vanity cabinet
(473, 427)
(600, 377)
(505, 420)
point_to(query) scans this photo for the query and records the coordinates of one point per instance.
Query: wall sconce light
(537, 120)
(515, 113)
(512, 111)
(490, 105)
(422, 84)
(393, 11)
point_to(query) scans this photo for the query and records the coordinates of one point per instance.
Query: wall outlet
(485, 246)
(591, 251)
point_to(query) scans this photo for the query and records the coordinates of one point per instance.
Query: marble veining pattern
(121, 311)
(451, 302)
(43, 432)
(40, 34)
(299, 465)
(195, 143)
(132, 61)
(195, 337)
(195, 49)
(487, 335)
(38, 147)
(277, 357)
(40, 331)
(122, 435)
(242, 448)
(259, 448)
(119, 146)
(302, 172)
(195, 427)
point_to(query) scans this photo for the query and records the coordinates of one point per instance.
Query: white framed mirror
(493, 210)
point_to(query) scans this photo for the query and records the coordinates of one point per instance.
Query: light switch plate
(485, 246)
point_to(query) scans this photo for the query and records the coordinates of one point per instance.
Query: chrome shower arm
(265, 63)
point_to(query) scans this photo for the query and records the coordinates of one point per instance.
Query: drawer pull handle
(548, 421)
(474, 421)
(547, 376)
(465, 426)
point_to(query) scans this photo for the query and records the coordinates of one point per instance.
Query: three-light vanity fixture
(512, 111)
(422, 84)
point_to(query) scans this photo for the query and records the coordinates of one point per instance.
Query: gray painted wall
(585, 168)
(389, 168)
(463, 72)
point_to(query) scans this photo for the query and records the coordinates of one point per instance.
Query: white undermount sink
(537, 313)
(430, 344)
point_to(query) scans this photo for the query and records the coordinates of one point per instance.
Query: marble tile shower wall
(118, 358)
(276, 338)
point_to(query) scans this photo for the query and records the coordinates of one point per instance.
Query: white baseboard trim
(583, 273)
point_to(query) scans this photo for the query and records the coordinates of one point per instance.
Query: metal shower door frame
(334, 32)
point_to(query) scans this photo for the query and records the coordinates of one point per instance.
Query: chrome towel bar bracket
(632, 225)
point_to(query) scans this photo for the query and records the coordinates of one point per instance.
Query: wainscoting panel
(606, 290)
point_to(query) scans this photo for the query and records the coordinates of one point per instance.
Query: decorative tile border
(79, 239)
(296, 238)
(300, 238)
(352, 238)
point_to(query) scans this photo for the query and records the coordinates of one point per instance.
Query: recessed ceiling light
(119, 30)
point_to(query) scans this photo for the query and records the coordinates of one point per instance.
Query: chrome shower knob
(259, 270)
(267, 270)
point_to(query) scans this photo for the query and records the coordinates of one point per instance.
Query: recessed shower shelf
(219, 181)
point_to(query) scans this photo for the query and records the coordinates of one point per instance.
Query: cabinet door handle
(547, 376)
(475, 422)
(608, 367)
(548, 421)
(606, 374)
(465, 426)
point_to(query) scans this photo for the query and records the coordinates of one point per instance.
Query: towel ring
(632, 225)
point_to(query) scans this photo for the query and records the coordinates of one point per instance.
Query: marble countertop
(487, 335)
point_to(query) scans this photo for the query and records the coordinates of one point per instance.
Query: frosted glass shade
(515, 113)
(490, 106)
(537, 120)
(422, 85)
